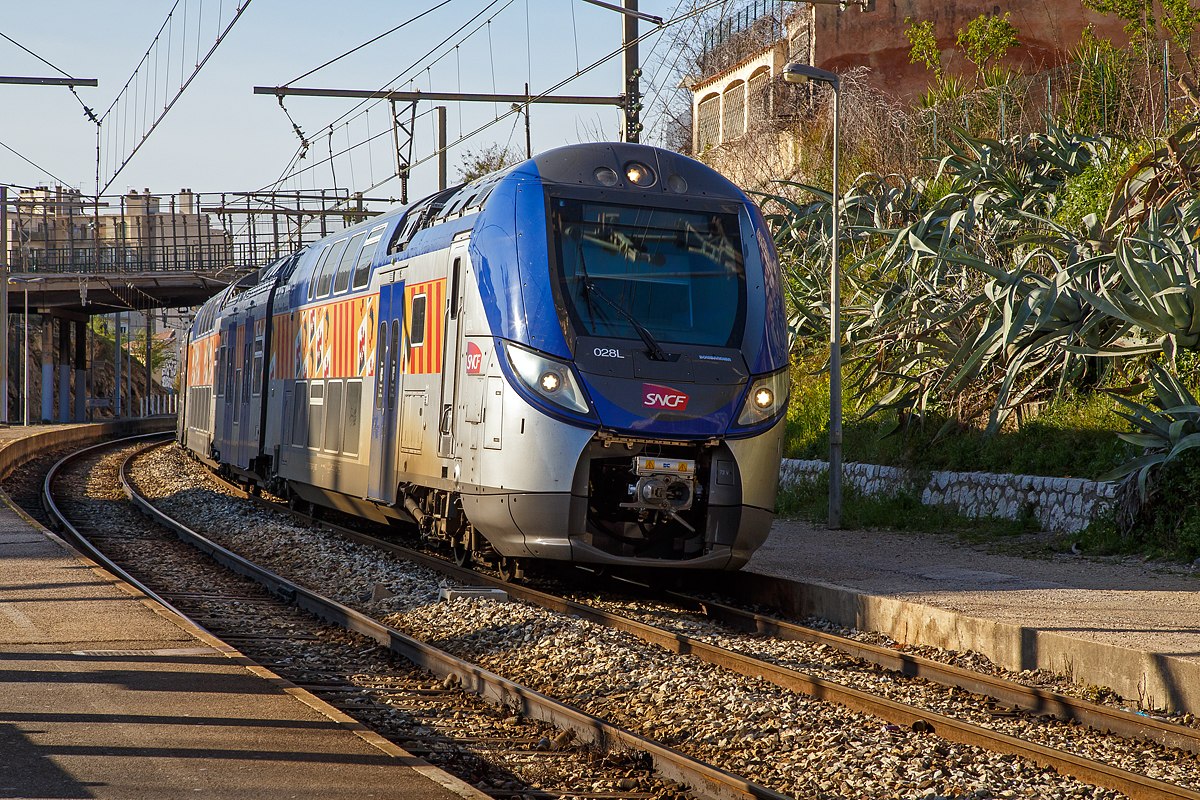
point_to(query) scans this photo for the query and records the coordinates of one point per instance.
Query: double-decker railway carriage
(582, 358)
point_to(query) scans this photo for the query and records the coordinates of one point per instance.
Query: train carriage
(582, 358)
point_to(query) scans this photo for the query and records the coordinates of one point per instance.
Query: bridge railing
(61, 230)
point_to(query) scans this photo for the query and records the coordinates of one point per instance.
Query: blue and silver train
(581, 358)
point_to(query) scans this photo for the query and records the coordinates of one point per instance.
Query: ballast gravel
(786, 741)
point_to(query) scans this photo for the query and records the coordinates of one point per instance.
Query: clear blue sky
(222, 137)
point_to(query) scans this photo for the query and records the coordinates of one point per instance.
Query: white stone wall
(1059, 504)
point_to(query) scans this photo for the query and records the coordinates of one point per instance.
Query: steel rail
(1134, 785)
(1105, 719)
(60, 523)
(705, 780)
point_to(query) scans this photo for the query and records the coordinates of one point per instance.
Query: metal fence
(57, 229)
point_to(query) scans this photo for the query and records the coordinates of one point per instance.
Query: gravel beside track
(788, 742)
(506, 756)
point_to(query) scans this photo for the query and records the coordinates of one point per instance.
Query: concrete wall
(876, 39)
(20, 449)
(1059, 504)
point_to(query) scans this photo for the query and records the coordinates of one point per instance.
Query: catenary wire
(369, 42)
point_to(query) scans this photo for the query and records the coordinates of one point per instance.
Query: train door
(385, 429)
(234, 397)
(251, 386)
(225, 436)
(452, 344)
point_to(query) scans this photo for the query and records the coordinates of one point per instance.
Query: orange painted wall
(1047, 30)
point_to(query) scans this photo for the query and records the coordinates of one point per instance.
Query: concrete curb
(1155, 680)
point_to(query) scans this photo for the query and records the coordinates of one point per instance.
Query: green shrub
(1168, 526)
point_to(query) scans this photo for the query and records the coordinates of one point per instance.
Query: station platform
(105, 694)
(1116, 622)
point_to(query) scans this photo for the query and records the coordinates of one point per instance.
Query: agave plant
(1153, 280)
(1170, 176)
(1164, 431)
(977, 298)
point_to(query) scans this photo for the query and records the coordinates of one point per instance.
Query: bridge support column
(117, 366)
(64, 371)
(47, 368)
(81, 391)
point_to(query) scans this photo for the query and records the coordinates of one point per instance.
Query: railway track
(505, 738)
(1041, 708)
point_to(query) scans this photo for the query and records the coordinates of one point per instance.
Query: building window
(708, 123)
(758, 98)
(733, 115)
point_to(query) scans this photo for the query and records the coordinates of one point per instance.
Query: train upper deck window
(362, 270)
(681, 274)
(325, 281)
(312, 281)
(406, 231)
(347, 263)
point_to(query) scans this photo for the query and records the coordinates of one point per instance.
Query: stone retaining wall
(1058, 504)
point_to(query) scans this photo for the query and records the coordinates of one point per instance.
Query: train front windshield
(680, 274)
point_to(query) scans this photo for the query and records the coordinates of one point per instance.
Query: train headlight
(548, 377)
(639, 174)
(767, 396)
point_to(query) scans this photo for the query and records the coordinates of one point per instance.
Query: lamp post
(25, 382)
(802, 73)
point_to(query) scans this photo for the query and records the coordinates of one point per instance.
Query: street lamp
(25, 383)
(802, 73)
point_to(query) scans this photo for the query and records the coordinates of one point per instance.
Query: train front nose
(691, 392)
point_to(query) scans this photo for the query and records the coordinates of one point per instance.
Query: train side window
(454, 289)
(247, 359)
(393, 365)
(362, 270)
(326, 280)
(256, 386)
(217, 373)
(347, 263)
(316, 414)
(300, 420)
(333, 416)
(353, 414)
(416, 330)
(285, 432)
(229, 371)
(380, 362)
(312, 281)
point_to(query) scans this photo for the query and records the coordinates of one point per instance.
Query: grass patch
(809, 500)
(1075, 438)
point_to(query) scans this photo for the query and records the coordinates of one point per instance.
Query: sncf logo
(655, 396)
(474, 359)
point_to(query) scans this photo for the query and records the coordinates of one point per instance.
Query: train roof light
(639, 174)
(605, 176)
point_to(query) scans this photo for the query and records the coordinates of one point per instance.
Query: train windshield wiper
(656, 352)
